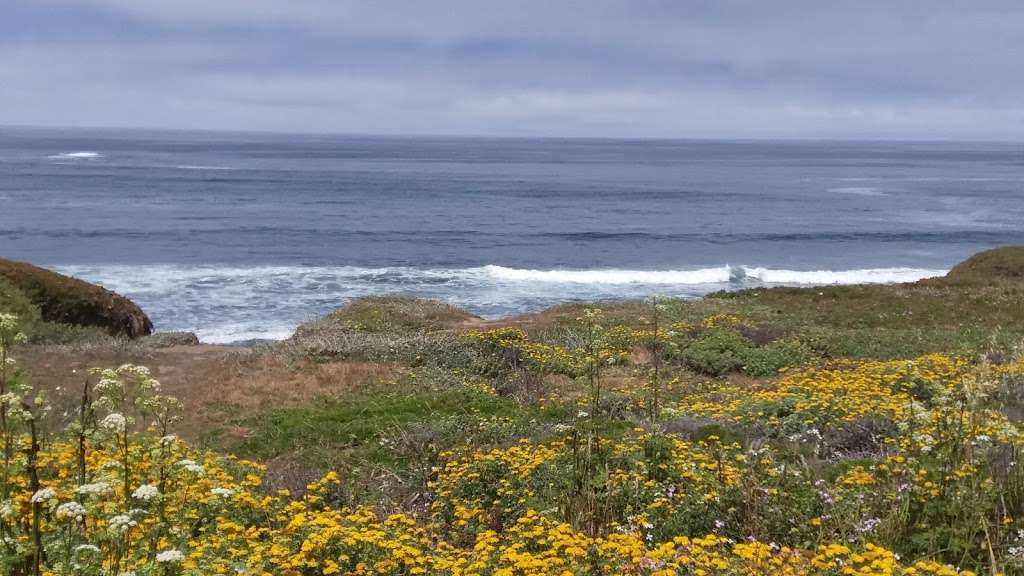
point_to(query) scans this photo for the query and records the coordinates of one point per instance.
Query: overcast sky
(634, 68)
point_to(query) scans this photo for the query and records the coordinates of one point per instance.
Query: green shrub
(390, 315)
(769, 359)
(717, 351)
(413, 349)
(14, 301)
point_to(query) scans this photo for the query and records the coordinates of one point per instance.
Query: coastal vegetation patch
(825, 431)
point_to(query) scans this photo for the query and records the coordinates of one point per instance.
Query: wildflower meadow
(659, 446)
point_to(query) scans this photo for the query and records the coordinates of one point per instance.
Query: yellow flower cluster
(725, 321)
(842, 392)
(541, 357)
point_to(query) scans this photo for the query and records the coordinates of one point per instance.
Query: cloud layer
(642, 68)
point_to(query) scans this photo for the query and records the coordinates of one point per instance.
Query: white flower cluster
(121, 523)
(114, 422)
(170, 556)
(8, 322)
(71, 511)
(222, 492)
(94, 489)
(108, 384)
(146, 492)
(44, 495)
(87, 548)
(168, 440)
(191, 466)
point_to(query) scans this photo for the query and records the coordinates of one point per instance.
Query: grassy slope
(378, 387)
(64, 300)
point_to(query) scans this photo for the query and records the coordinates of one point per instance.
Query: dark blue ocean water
(240, 236)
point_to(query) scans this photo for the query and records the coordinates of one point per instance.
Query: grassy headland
(46, 298)
(784, 430)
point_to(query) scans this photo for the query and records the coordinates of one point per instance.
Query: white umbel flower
(191, 466)
(44, 495)
(87, 548)
(114, 422)
(168, 556)
(121, 523)
(222, 492)
(94, 489)
(146, 492)
(71, 511)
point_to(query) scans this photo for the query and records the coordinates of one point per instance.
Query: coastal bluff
(65, 300)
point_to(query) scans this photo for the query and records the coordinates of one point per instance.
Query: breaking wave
(230, 303)
(718, 275)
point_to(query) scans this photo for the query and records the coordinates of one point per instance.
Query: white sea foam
(857, 191)
(201, 167)
(699, 276)
(76, 155)
(826, 277)
(230, 304)
(717, 275)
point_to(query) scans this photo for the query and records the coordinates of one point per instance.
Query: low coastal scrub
(828, 467)
(833, 431)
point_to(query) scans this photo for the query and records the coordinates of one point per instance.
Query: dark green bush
(717, 351)
(769, 359)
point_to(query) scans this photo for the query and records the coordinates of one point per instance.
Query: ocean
(240, 236)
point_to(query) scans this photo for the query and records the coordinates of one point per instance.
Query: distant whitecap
(857, 191)
(86, 155)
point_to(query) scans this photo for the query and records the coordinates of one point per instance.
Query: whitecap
(827, 277)
(857, 191)
(698, 276)
(85, 155)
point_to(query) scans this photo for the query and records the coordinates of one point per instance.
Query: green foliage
(38, 330)
(767, 360)
(405, 330)
(717, 351)
(412, 349)
(391, 315)
(14, 301)
(316, 430)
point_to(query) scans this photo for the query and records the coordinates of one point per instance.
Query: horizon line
(480, 136)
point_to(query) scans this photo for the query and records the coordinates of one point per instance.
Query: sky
(591, 68)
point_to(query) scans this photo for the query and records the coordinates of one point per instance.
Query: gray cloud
(573, 68)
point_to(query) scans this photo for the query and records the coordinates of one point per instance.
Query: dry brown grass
(216, 384)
